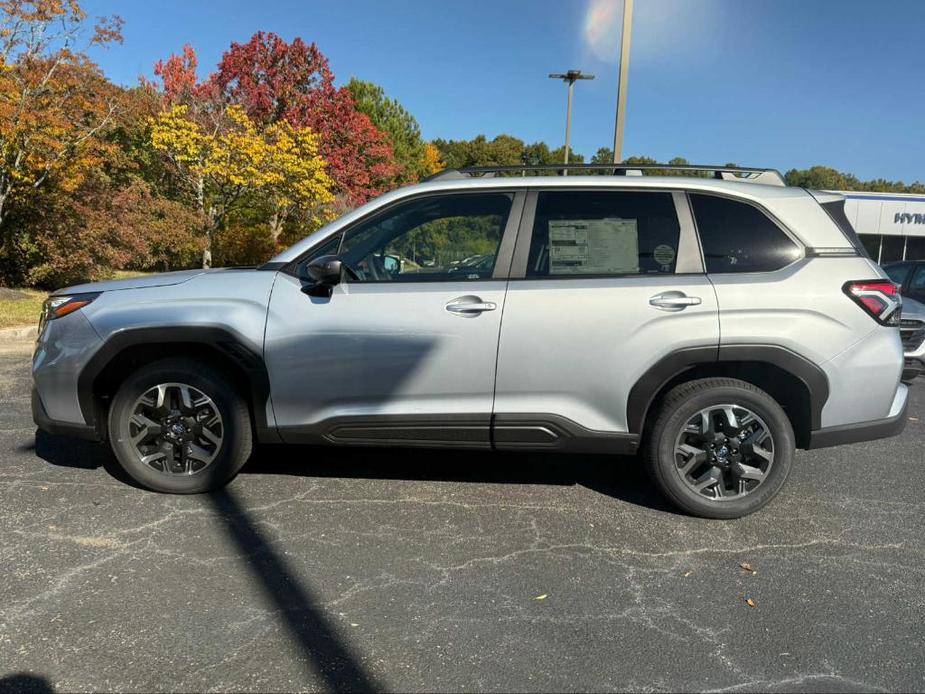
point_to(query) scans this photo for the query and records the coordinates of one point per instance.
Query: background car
(910, 276)
(912, 330)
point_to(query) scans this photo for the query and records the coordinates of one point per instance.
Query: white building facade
(891, 225)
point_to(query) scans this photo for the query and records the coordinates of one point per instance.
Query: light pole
(623, 80)
(571, 77)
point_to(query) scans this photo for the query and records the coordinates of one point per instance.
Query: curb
(19, 334)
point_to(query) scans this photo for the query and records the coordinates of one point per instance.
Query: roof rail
(729, 173)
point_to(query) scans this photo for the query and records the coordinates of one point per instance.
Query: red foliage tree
(276, 80)
(180, 85)
(178, 75)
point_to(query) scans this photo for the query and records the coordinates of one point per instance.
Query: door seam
(494, 388)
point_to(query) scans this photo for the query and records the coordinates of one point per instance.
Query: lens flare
(602, 28)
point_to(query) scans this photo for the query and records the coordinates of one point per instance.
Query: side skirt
(544, 432)
(507, 432)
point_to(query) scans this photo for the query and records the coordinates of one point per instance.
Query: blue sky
(788, 83)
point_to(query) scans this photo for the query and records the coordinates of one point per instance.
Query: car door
(604, 284)
(403, 350)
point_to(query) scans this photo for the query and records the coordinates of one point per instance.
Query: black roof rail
(728, 173)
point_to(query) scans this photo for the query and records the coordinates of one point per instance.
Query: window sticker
(664, 255)
(607, 246)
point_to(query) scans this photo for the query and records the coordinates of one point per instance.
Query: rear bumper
(46, 424)
(865, 431)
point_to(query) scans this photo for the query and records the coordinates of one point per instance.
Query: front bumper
(46, 424)
(892, 425)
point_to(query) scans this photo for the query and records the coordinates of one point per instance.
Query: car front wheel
(720, 447)
(177, 426)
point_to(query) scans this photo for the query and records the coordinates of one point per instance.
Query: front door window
(446, 238)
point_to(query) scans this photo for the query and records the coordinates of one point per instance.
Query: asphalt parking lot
(321, 569)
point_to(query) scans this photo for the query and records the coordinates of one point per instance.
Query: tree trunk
(207, 248)
(277, 221)
(209, 223)
(275, 226)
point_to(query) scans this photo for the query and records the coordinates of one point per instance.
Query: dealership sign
(908, 218)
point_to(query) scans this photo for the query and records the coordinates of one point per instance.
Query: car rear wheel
(720, 447)
(177, 426)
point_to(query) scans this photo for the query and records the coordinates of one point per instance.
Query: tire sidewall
(668, 427)
(236, 441)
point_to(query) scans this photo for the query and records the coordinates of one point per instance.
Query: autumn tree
(53, 101)
(225, 164)
(433, 162)
(281, 163)
(274, 81)
(399, 126)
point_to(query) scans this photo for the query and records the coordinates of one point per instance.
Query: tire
(745, 479)
(191, 425)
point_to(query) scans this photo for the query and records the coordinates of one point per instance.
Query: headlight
(60, 306)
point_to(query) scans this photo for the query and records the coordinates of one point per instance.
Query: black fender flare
(676, 363)
(240, 351)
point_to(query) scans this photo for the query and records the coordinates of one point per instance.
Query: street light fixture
(571, 77)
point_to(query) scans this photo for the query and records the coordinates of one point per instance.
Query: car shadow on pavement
(25, 682)
(77, 453)
(620, 477)
(327, 652)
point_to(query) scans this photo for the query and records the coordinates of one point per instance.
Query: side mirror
(391, 263)
(324, 272)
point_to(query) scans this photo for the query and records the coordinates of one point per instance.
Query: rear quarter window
(836, 211)
(738, 237)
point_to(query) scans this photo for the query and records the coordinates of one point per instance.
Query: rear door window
(738, 237)
(603, 234)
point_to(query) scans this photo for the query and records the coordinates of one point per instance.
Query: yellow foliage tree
(282, 162)
(236, 157)
(432, 161)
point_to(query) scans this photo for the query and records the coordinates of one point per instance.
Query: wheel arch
(124, 351)
(798, 385)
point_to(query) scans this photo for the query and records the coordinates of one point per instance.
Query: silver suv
(714, 322)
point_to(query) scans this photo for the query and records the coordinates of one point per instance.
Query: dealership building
(891, 225)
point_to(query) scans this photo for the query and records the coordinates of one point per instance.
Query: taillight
(880, 299)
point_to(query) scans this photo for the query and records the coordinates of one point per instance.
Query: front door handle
(674, 301)
(469, 306)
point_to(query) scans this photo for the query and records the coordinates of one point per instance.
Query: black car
(910, 275)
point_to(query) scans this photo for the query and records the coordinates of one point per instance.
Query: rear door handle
(674, 301)
(469, 306)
